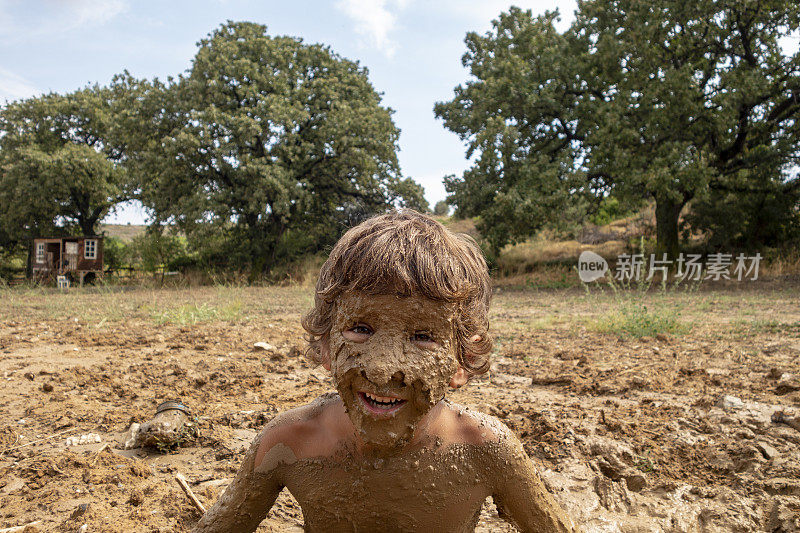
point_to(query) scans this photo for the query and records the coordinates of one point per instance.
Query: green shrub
(634, 319)
(156, 251)
(442, 208)
(116, 253)
(610, 210)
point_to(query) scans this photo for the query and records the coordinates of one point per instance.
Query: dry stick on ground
(98, 452)
(185, 486)
(18, 529)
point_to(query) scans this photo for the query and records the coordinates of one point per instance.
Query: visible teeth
(382, 399)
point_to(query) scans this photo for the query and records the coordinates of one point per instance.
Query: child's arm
(249, 497)
(519, 493)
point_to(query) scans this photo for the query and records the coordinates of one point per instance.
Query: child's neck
(425, 430)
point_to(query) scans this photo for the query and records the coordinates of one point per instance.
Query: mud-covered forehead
(389, 312)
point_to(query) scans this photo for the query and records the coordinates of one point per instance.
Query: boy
(401, 312)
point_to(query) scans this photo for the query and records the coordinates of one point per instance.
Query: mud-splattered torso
(437, 482)
(429, 490)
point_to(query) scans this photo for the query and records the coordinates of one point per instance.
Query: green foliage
(155, 250)
(62, 170)
(665, 101)
(442, 208)
(634, 319)
(275, 146)
(609, 210)
(767, 218)
(116, 253)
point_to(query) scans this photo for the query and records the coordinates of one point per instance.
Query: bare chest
(422, 492)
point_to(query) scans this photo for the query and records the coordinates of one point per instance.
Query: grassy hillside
(123, 232)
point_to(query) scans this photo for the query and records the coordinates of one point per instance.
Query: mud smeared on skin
(407, 461)
(439, 486)
(421, 491)
(280, 454)
(390, 363)
(438, 482)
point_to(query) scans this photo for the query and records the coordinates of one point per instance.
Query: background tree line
(265, 149)
(677, 103)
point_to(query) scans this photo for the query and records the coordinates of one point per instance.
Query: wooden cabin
(78, 258)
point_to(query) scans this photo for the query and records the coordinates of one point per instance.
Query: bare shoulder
(463, 425)
(299, 433)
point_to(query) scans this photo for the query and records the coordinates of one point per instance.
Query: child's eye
(358, 333)
(361, 329)
(422, 337)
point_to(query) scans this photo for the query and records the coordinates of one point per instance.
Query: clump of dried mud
(658, 434)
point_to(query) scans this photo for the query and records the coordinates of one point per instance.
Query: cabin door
(70, 256)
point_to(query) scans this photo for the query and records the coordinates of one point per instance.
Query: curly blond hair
(404, 252)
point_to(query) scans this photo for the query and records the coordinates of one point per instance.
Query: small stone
(80, 510)
(47, 387)
(786, 384)
(29, 376)
(730, 403)
(264, 346)
(133, 433)
(635, 482)
(782, 487)
(136, 498)
(767, 451)
(774, 373)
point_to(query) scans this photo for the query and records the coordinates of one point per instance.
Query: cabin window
(90, 249)
(40, 252)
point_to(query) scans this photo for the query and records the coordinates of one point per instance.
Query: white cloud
(93, 11)
(22, 20)
(374, 20)
(482, 12)
(14, 87)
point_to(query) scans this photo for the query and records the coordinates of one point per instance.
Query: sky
(412, 49)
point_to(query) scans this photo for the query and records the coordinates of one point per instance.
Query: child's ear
(459, 378)
(325, 352)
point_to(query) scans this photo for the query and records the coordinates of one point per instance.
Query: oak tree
(670, 101)
(279, 144)
(58, 168)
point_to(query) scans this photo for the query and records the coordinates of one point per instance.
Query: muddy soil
(664, 433)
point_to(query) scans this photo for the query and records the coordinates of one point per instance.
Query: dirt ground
(668, 432)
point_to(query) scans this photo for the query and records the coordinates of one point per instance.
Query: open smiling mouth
(380, 405)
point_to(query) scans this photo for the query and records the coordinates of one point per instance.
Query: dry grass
(528, 256)
(715, 314)
(785, 265)
(234, 304)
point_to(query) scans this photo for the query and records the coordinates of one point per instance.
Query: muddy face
(392, 359)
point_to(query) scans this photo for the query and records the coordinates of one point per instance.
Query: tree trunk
(667, 213)
(87, 225)
(29, 261)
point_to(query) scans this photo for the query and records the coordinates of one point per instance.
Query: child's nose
(387, 364)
